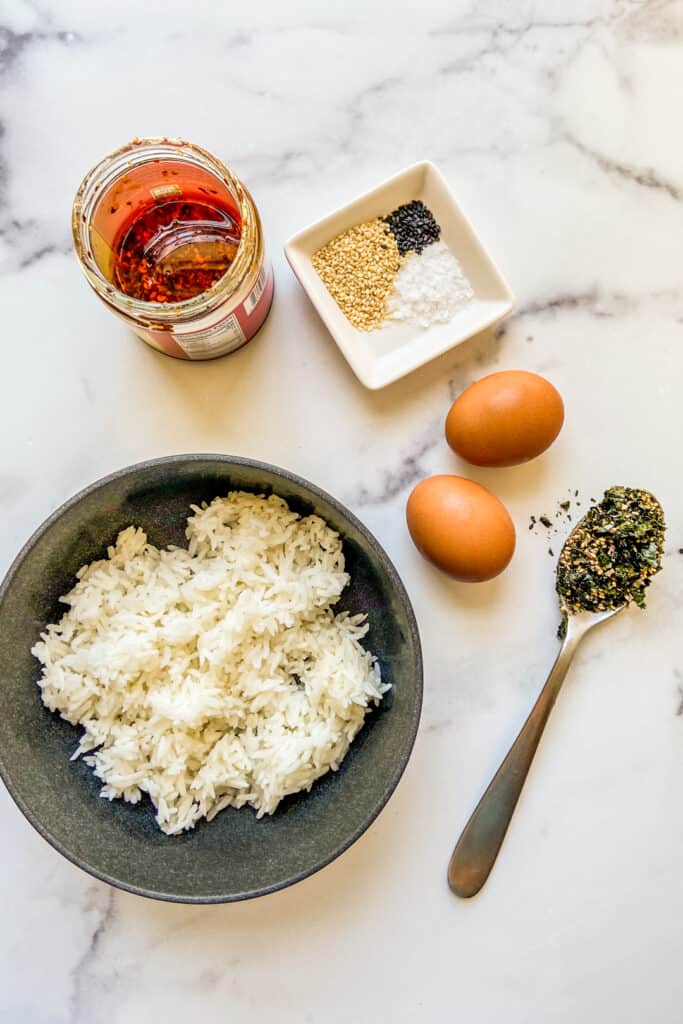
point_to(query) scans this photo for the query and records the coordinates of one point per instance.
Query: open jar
(170, 240)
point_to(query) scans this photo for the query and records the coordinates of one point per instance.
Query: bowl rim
(391, 782)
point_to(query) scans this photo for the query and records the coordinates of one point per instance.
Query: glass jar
(120, 188)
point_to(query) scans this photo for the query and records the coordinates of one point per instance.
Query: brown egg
(505, 418)
(461, 527)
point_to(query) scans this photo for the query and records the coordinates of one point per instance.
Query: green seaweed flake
(612, 553)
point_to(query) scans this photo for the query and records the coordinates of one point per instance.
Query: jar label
(232, 326)
(257, 291)
(218, 340)
(254, 309)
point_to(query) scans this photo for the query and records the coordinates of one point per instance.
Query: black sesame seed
(413, 226)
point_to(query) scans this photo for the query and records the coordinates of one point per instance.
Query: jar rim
(134, 154)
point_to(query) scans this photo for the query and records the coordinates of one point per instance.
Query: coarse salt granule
(429, 288)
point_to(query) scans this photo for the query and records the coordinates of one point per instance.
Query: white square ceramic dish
(382, 356)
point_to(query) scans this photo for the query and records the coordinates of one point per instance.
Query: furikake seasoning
(612, 553)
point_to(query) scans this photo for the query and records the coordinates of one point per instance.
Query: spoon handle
(477, 848)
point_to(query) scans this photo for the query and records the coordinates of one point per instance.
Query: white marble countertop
(558, 126)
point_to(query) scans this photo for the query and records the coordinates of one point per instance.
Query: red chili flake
(175, 249)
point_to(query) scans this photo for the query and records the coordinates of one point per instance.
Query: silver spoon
(477, 848)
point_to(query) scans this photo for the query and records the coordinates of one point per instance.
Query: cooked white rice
(215, 675)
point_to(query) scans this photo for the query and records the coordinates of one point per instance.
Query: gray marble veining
(558, 127)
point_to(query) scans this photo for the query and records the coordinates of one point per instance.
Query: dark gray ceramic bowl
(235, 856)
